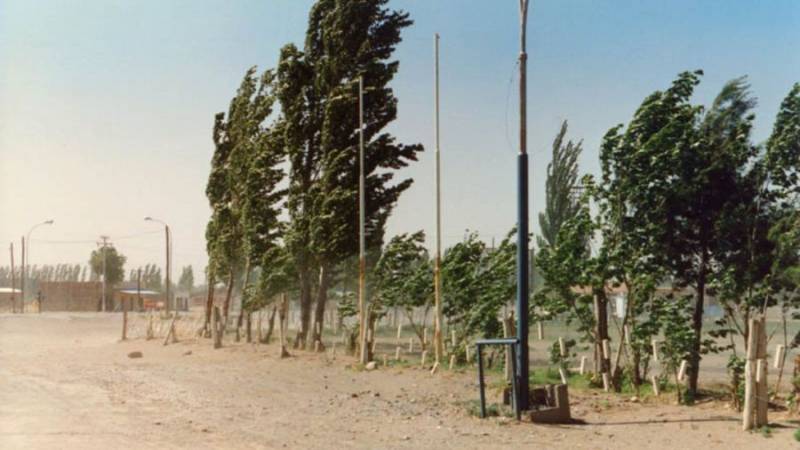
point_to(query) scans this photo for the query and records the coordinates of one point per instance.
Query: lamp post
(26, 256)
(168, 258)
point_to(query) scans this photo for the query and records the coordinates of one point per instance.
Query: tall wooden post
(437, 261)
(13, 281)
(364, 354)
(22, 278)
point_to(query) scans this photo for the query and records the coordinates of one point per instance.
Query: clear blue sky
(106, 107)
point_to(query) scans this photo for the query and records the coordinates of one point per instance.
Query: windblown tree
(236, 169)
(404, 279)
(560, 187)
(318, 93)
(685, 199)
(477, 282)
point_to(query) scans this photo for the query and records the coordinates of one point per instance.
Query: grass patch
(473, 408)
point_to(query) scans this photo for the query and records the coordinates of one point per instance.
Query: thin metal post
(168, 263)
(522, 224)
(480, 380)
(13, 280)
(22, 277)
(437, 273)
(362, 263)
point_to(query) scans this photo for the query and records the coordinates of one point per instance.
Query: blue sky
(106, 107)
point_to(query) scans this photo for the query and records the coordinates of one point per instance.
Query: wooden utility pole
(362, 262)
(22, 278)
(437, 273)
(13, 281)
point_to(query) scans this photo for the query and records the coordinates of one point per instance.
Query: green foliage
(476, 283)
(319, 101)
(571, 274)
(404, 274)
(560, 187)
(797, 435)
(114, 264)
(735, 368)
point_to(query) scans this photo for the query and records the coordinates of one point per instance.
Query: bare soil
(67, 382)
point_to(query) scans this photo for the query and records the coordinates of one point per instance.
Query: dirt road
(67, 383)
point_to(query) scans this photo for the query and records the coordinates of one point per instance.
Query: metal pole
(362, 264)
(522, 224)
(22, 278)
(167, 268)
(437, 334)
(27, 243)
(13, 281)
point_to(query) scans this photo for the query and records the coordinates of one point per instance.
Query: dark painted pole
(523, 393)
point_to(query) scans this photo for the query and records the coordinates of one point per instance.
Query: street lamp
(26, 255)
(168, 257)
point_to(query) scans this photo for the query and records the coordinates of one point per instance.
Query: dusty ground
(68, 383)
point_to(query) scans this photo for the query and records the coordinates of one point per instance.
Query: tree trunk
(697, 326)
(601, 330)
(322, 300)
(271, 324)
(226, 306)
(209, 306)
(241, 300)
(305, 310)
(284, 316)
(249, 328)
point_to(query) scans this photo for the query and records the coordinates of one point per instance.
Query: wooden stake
(762, 393)
(410, 345)
(749, 376)
(466, 352)
(425, 336)
(399, 331)
(124, 320)
(424, 358)
(583, 365)
(540, 330)
(780, 353)
(562, 347)
(682, 371)
(150, 331)
(655, 350)
(453, 338)
(452, 361)
(563, 374)
(655, 385)
(435, 367)
(397, 353)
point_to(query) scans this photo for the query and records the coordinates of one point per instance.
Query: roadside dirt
(68, 383)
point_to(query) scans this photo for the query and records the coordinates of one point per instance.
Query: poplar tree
(560, 187)
(345, 40)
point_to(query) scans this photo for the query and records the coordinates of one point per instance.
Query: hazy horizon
(106, 109)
